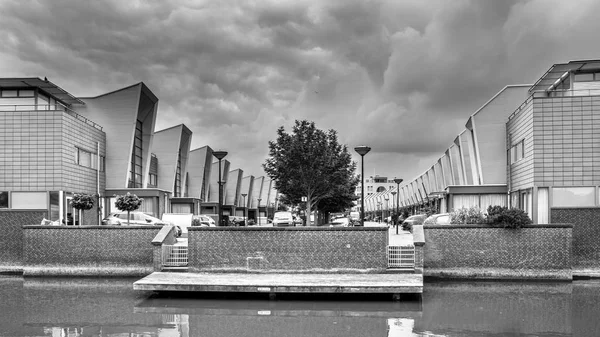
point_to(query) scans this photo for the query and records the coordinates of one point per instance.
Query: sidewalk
(403, 238)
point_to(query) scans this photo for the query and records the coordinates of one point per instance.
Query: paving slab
(282, 283)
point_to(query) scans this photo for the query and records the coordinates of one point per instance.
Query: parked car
(281, 219)
(237, 220)
(438, 219)
(340, 222)
(136, 219)
(203, 221)
(418, 219)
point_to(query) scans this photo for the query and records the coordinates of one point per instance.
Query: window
(517, 152)
(10, 93)
(88, 159)
(3, 199)
(573, 196)
(584, 77)
(29, 200)
(135, 175)
(153, 179)
(177, 187)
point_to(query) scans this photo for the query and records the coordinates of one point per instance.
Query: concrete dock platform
(283, 283)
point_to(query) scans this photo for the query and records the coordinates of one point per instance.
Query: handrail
(49, 107)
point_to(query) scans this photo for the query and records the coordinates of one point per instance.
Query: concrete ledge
(498, 274)
(586, 273)
(484, 226)
(88, 227)
(295, 229)
(107, 271)
(11, 270)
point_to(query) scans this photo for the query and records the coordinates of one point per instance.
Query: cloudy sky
(399, 76)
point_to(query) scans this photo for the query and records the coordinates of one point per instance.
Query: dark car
(413, 220)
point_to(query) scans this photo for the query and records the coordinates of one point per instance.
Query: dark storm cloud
(400, 76)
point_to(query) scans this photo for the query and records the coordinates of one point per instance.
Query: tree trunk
(80, 217)
(127, 218)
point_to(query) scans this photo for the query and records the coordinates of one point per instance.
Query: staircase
(175, 258)
(401, 258)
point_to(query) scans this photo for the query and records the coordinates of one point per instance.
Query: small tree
(129, 202)
(82, 202)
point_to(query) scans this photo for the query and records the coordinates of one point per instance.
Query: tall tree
(309, 162)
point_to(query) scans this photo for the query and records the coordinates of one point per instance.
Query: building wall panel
(520, 127)
(567, 141)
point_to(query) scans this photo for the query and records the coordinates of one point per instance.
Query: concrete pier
(283, 283)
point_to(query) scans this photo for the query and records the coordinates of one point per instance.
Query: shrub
(507, 217)
(464, 216)
(429, 210)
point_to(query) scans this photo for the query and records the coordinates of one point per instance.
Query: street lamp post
(220, 155)
(387, 205)
(392, 218)
(245, 207)
(362, 150)
(381, 209)
(258, 211)
(397, 181)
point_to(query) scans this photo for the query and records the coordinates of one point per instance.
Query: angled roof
(47, 86)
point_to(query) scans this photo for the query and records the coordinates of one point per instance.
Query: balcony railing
(49, 107)
(566, 93)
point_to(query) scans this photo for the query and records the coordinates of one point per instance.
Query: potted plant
(127, 203)
(82, 202)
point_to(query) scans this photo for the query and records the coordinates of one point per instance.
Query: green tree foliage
(507, 217)
(82, 202)
(309, 162)
(129, 202)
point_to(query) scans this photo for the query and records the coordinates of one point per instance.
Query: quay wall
(586, 237)
(88, 250)
(11, 240)
(293, 249)
(484, 252)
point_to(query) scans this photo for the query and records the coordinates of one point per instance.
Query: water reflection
(109, 307)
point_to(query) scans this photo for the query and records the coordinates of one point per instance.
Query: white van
(281, 219)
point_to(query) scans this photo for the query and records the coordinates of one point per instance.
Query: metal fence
(174, 256)
(401, 256)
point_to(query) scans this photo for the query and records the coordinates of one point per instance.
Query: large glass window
(573, 196)
(177, 192)
(3, 199)
(135, 180)
(29, 200)
(54, 206)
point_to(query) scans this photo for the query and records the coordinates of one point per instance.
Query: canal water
(109, 307)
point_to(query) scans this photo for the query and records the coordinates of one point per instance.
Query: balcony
(49, 107)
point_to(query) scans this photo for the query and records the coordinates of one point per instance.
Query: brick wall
(269, 249)
(480, 251)
(586, 234)
(11, 239)
(88, 251)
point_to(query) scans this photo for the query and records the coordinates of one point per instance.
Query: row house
(53, 145)
(534, 147)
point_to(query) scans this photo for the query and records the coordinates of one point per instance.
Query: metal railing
(174, 256)
(401, 256)
(48, 107)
